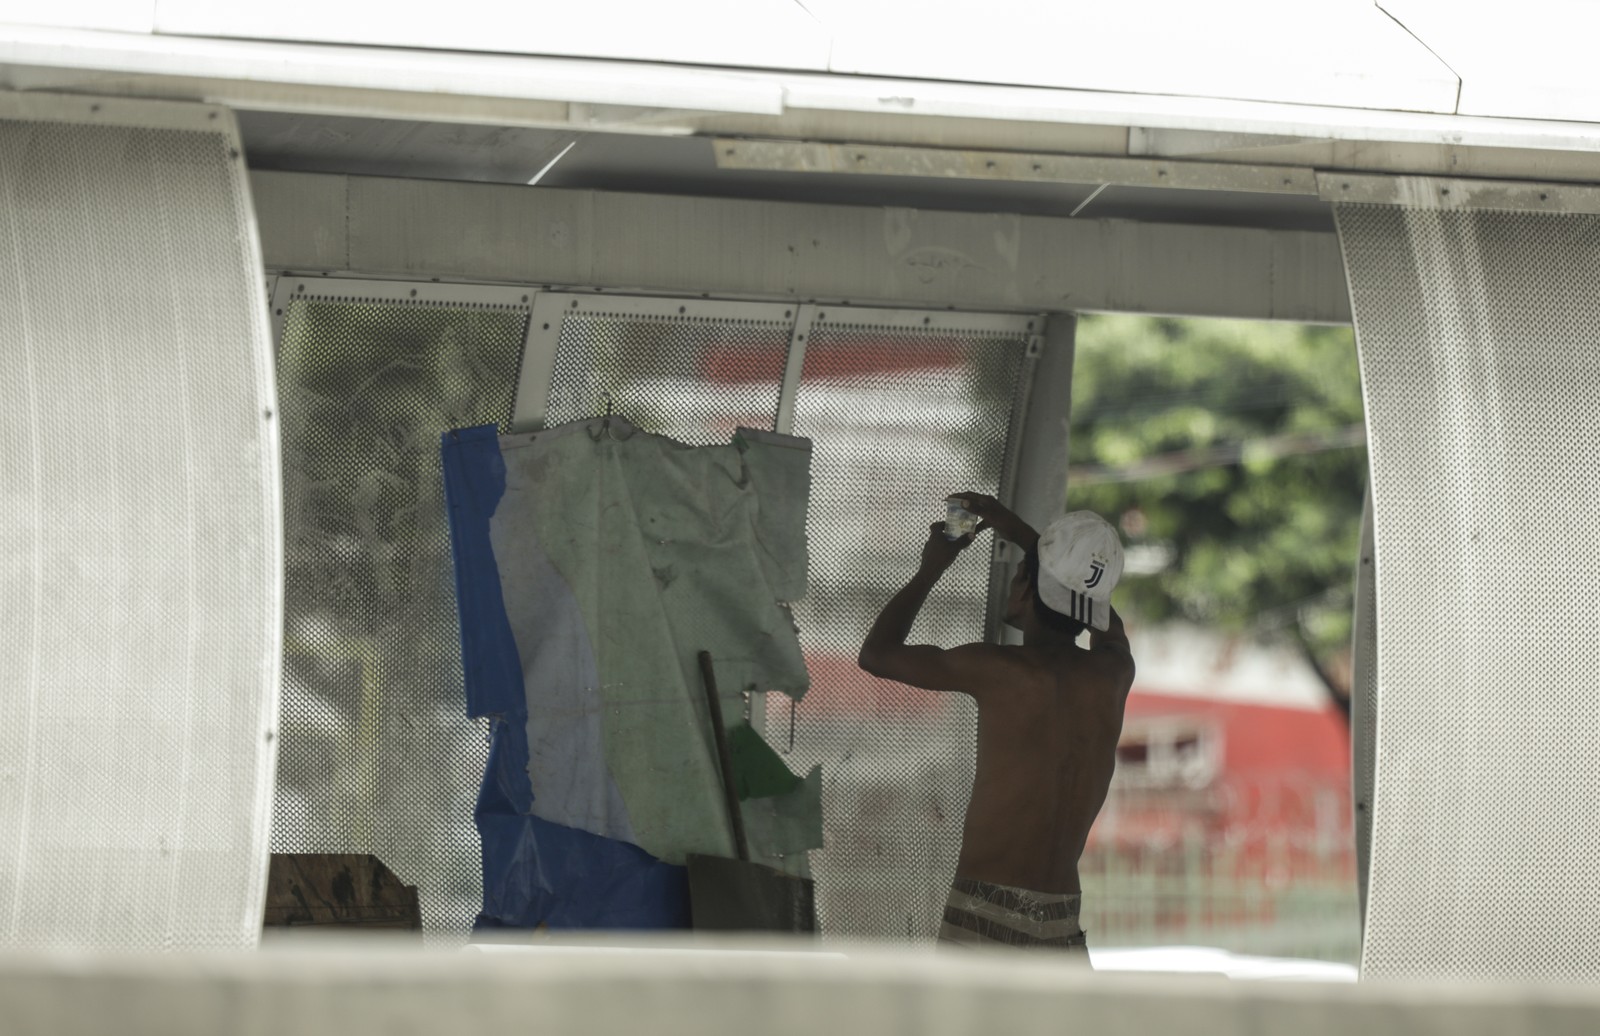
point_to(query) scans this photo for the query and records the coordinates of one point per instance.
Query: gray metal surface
(377, 754)
(902, 412)
(140, 531)
(782, 249)
(1477, 334)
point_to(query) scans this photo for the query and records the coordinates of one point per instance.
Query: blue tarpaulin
(536, 872)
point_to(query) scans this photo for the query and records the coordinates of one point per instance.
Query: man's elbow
(871, 659)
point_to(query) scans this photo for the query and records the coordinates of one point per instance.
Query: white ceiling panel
(113, 15)
(1534, 62)
(1344, 53)
(746, 33)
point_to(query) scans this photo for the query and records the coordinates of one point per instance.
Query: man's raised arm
(886, 653)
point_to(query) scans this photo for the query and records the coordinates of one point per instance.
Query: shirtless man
(1049, 715)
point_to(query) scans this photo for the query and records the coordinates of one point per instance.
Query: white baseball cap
(1080, 561)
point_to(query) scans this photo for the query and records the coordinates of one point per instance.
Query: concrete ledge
(350, 989)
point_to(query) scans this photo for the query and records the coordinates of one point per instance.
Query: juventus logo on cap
(1097, 568)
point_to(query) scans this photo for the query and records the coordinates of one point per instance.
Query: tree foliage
(1230, 454)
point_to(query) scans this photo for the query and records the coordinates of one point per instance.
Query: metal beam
(887, 160)
(383, 227)
(1428, 192)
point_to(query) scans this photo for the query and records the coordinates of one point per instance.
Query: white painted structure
(1162, 157)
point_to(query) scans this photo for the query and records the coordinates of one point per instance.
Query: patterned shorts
(979, 913)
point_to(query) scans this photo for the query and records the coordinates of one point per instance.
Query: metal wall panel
(905, 406)
(689, 369)
(378, 754)
(140, 530)
(1477, 331)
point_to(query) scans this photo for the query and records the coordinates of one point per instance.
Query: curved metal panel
(140, 531)
(1477, 334)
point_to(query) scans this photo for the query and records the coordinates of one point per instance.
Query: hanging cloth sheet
(593, 562)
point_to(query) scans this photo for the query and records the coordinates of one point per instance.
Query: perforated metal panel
(1478, 332)
(139, 530)
(377, 753)
(901, 414)
(903, 407)
(691, 376)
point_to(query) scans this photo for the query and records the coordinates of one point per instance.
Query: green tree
(1233, 458)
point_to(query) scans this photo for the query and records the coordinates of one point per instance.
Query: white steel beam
(787, 251)
(951, 163)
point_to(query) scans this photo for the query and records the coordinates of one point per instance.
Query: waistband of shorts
(1010, 897)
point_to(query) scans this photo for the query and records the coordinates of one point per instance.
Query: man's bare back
(1049, 716)
(1047, 744)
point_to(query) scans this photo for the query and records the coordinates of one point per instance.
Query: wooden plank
(346, 890)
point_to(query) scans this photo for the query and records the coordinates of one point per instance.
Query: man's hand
(939, 553)
(1006, 524)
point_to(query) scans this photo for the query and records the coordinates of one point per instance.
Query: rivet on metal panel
(574, 303)
(413, 293)
(524, 298)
